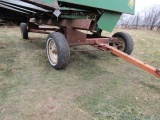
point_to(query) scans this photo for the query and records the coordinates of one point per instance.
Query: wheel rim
(120, 45)
(52, 52)
(21, 32)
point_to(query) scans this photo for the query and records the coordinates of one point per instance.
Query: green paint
(112, 5)
(108, 21)
(123, 6)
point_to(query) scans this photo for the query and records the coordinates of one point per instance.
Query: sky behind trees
(142, 4)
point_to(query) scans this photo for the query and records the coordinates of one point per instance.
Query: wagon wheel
(125, 42)
(24, 30)
(57, 50)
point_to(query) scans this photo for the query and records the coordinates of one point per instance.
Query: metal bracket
(158, 71)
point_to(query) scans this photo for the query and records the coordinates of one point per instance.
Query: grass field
(95, 86)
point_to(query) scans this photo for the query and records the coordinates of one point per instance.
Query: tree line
(146, 19)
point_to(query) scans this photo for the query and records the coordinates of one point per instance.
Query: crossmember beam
(128, 58)
(83, 24)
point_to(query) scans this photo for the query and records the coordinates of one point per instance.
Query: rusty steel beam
(83, 24)
(129, 58)
(34, 27)
(83, 50)
(75, 36)
(92, 41)
(38, 31)
(49, 29)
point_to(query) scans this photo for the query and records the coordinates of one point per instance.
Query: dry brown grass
(95, 85)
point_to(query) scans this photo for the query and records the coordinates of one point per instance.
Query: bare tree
(125, 20)
(146, 19)
(135, 21)
(158, 25)
(152, 17)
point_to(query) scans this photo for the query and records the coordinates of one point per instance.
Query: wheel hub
(120, 44)
(52, 50)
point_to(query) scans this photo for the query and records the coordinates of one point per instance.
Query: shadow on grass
(85, 64)
(37, 43)
(150, 86)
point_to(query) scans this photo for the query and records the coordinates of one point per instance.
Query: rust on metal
(38, 31)
(92, 41)
(158, 71)
(75, 36)
(93, 26)
(54, 51)
(83, 50)
(44, 29)
(83, 24)
(33, 26)
(129, 58)
(76, 23)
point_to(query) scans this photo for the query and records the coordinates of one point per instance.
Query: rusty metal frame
(38, 31)
(75, 37)
(134, 61)
(92, 41)
(32, 27)
(83, 24)
(70, 28)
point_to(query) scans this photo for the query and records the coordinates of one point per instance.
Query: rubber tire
(24, 30)
(128, 41)
(63, 50)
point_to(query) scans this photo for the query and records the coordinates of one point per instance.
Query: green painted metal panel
(112, 10)
(124, 6)
(108, 21)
